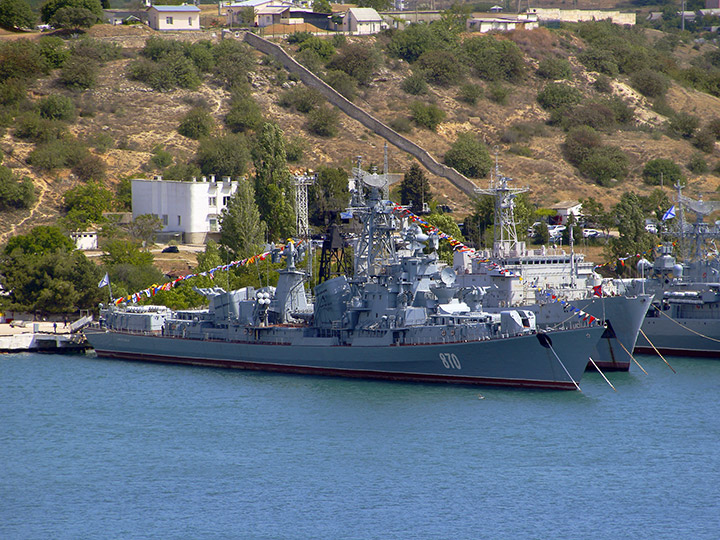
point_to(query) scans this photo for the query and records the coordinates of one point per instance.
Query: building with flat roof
(173, 18)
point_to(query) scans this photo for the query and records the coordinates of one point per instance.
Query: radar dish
(374, 180)
(703, 208)
(448, 276)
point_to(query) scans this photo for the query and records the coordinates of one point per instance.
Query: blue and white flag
(669, 214)
(104, 281)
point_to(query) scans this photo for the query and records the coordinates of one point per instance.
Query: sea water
(94, 448)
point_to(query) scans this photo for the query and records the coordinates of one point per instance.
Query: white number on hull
(450, 361)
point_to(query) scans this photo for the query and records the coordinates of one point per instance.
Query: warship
(550, 282)
(685, 315)
(400, 316)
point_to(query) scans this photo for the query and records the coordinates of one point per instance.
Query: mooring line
(655, 349)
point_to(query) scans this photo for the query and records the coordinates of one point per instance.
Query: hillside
(135, 120)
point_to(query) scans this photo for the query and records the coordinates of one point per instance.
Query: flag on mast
(104, 281)
(669, 214)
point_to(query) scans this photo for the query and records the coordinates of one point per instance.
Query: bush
(223, 156)
(57, 107)
(54, 51)
(468, 156)
(414, 84)
(498, 93)
(705, 140)
(554, 68)
(323, 121)
(440, 68)
(470, 93)
(580, 142)
(558, 95)
(57, 154)
(595, 115)
(12, 91)
(79, 73)
(21, 59)
(697, 164)
(522, 132)
(599, 60)
(683, 124)
(161, 158)
(520, 150)
(31, 126)
(299, 37)
(90, 168)
(661, 170)
(321, 47)
(15, 192)
(713, 126)
(96, 50)
(602, 84)
(494, 59)
(604, 164)
(196, 123)
(174, 71)
(301, 98)
(357, 60)
(294, 149)
(650, 83)
(244, 114)
(401, 124)
(427, 116)
(342, 82)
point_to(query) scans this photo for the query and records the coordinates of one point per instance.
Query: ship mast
(505, 240)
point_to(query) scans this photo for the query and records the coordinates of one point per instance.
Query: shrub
(661, 170)
(224, 156)
(401, 124)
(683, 124)
(161, 158)
(90, 168)
(440, 68)
(31, 126)
(705, 140)
(595, 115)
(54, 51)
(468, 156)
(196, 123)
(494, 59)
(15, 192)
(602, 84)
(244, 114)
(323, 121)
(498, 93)
(650, 83)
(56, 154)
(554, 68)
(427, 116)
(558, 95)
(79, 73)
(713, 126)
(357, 60)
(697, 164)
(469, 93)
(21, 59)
(579, 144)
(174, 71)
(604, 164)
(321, 47)
(299, 37)
(599, 60)
(96, 50)
(520, 150)
(12, 91)
(342, 82)
(294, 149)
(522, 131)
(414, 84)
(301, 98)
(57, 107)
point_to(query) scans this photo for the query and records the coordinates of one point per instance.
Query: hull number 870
(450, 361)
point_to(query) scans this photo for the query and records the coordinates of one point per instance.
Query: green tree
(79, 73)
(15, 192)
(415, 189)
(85, 205)
(244, 114)
(605, 164)
(273, 182)
(322, 6)
(494, 59)
(210, 258)
(558, 95)
(74, 17)
(328, 195)
(321, 47)
(226, 155)
(242, 231)
(447, 225)
(661, 170)
(633, 238)
(197, 123)
(469, 156)
(377, 5)
(40, 240)
(57, 107)
(428, 116)
(21, 59)
(16, 14)
(51, 7)
(357, 60)
(323, 122)
(144, 228)
(123, 196)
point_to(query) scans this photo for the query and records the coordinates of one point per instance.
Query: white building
(564, 209)
(174, 17)
(362, 21)
(502, 23)
(191, 208)
(236, 11)
(85, 241)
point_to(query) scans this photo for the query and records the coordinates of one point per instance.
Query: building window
(226, 200)
(165, 219)
(212, 201)
(168, 20)
(189, 21)
(213, 225)
(179, 221)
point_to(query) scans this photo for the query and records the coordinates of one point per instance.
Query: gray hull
(687, 337)
(516, 361)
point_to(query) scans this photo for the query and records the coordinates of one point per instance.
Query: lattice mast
(302, 222)
(505, 238)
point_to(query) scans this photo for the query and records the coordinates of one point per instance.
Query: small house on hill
(362, 21)
(169, 18)
(564, 209)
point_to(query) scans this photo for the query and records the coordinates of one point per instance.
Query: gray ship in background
(401, 316)
(685, 315)
(551, 283)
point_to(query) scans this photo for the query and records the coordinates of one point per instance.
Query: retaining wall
(355, 112)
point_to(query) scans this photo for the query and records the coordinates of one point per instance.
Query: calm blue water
(94, 448)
